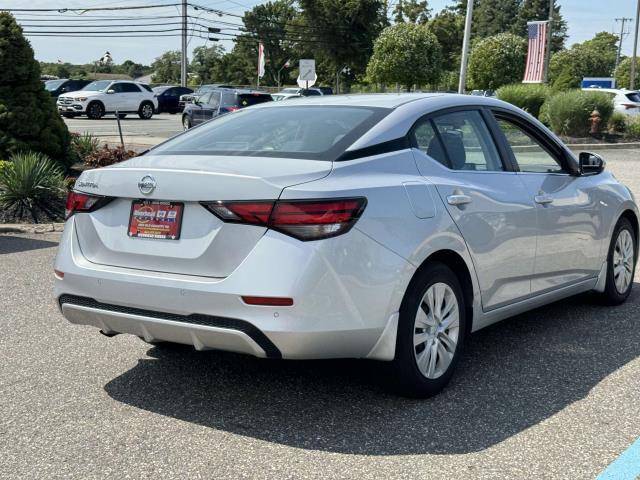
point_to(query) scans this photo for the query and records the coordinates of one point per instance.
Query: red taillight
(629, 106)
(268, 301)
(59, 275)
(302, 219)
(232, 109)
(82, 202)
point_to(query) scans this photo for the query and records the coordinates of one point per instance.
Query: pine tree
(29, 119)
(491, 17)
(532, 10)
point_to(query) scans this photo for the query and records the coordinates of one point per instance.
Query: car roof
(383, 100)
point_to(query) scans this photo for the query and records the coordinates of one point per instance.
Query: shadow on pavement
(11, 244)
(514, 375)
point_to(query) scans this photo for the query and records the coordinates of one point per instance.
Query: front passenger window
(530, 155)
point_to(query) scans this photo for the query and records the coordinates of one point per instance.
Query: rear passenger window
(460, 141)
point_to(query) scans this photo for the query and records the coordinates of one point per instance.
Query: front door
(486, 200)
(568, 248)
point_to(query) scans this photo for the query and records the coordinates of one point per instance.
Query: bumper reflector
(268, 301)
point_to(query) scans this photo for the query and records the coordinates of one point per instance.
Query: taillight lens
(82, 202)
(301, 219)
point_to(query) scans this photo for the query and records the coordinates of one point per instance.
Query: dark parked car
(64, 85)
(169, 97)
(202, 89)
(326, 90)
(218, 102)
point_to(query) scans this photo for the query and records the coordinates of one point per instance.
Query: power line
(89, 9)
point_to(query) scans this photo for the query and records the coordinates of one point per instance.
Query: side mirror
(591, 163)
(110, 92)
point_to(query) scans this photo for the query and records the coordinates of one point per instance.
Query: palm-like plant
(33, 185)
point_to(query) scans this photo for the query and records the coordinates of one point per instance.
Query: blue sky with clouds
(584, 18)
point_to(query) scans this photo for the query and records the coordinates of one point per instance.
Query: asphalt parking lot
(549, 394)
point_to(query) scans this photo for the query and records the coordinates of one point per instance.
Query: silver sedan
(386, 227)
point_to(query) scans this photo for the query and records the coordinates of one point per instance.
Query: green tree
(238, 66)
(494, 16)
(344, 30)
(413, 11)
(29, 119)
(406, 53)
(448, 27)
(496, 61)
(166, 68)
(135, 70)
(623, 72)
(533, 10)
(277, 25)
(593, 58)
(62, 71)
(204, 61)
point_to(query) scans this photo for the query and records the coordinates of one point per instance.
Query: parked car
(624, 101)
(64, 85)
(285, 96)
(202, 89)
(305, 92)
(104, 97)
(168, 98)
(219, 101)
(326, 90)
(385, 227)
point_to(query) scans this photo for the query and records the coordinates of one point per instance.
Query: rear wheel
(621, 263)
(146, 110)
(186, 122)
(431, 332)
(95, 111)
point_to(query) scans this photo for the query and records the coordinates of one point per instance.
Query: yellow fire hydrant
(595, 120)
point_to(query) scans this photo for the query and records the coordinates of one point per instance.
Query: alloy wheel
(623, 256)
(147, 110)
(436, 330)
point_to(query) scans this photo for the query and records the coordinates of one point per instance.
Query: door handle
(543, 199)
(458, 199)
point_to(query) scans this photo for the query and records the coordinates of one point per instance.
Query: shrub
(4, 165)
(616, 122)
(632, 128)
(106, 156)
(496, 61)
(33, 186)
(29, 120)
(528, 97)
(83, 145)
(568, 112)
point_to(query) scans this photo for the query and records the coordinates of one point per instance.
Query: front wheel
(146, 111)
(95, 111)
(431, 332)
(186, 122)
(621, 263)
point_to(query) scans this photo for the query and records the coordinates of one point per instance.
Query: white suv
(109, 96)
(624, 101)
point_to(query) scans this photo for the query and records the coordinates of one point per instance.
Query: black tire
(186, 122)
(406, 377)
(122, 115)
(611, 294)
(145, 111)
(95, 110)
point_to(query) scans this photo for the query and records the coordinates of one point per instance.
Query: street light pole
(465, 46)
(632, 85)
(183, 59)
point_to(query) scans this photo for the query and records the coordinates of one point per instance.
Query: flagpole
(547, 56)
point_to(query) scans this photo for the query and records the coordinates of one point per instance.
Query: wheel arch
(459, 267)
(633, 219)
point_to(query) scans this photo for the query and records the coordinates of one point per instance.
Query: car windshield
(317, 132)
(97, 86)
(52, 85)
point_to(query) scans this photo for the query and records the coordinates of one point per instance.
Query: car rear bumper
(346, 291)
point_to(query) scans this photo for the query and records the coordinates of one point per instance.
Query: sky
(584, 18)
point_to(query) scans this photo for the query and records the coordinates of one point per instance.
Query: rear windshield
(634, 96)
(248, 99)
(317, 132)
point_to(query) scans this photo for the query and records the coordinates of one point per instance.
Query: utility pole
(547, 53)
(623, 33)
(183, 59)
(632, 86)
(465, 46)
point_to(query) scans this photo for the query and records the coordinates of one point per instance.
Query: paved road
(549, 394)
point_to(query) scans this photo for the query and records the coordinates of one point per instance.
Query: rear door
(132, 96)
(485, 198)
(568, 248)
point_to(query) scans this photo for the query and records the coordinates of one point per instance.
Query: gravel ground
(548, 394)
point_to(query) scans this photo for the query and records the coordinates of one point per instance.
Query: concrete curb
(31, 227)
(603, 146)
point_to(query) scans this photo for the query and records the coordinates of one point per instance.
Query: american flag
(538, 31)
